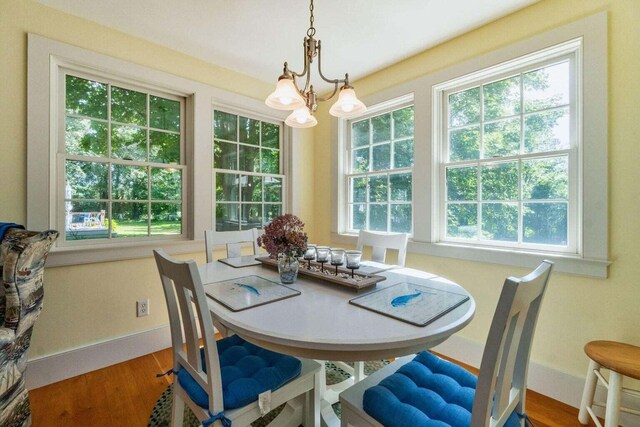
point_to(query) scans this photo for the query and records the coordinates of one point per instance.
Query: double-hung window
(380, 171)
(122, 154)
(248, 171)
(508, 169)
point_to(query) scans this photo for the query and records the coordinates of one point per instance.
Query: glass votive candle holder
(337, 257)
(353, 260)
(310, 255)
(322, 255)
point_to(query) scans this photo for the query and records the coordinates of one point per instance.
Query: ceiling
(255, 37)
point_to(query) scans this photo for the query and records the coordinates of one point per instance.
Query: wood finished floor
(124, 395)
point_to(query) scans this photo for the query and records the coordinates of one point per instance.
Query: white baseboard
(57, 367)
(552, 383)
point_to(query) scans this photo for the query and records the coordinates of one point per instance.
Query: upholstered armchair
(22, 257)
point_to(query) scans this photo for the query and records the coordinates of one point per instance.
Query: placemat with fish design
(247, 292)
(411, 303)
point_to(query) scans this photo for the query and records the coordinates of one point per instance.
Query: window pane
(545, 223)
(547, 131)
(164, 113)
(500, 221)
(227, 218)
(378, 188)
(225, 155)
(251, 216)
(166, 184)
(129, 182)
(500, 182)
(401, 218)
(86, 180)
(358, 217)
(360, 133)
(227, 187)
(502, 138)
(131, 219)
(501, 98)
(128, 142)
(85, 137)
(249, 158)
(251, 188)
(381, 157)
(462, 183)
(270, 135)
(85, 97)
(546, 87)
(464, 144)
(272, 189)
(464, 107)
(545, 178)
(225, 126)
(128, 106)
(360, 160)
(270, 161)
(86, 220)
(403, 154)
(462, 220)
(249, 131)
(359, 189)
(378, 217)
(166, 219)
(381, 128)
(400, 184)
(271, 211)
(403, 123)
(164, 147)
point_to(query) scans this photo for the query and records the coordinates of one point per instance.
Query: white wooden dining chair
(222, 381)
(414, 390)
(234, 240)
(380, 242)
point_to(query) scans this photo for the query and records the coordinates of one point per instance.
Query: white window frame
(46, 58)
(375, 110)
(591, 255)
(282, 172)
(571, 51)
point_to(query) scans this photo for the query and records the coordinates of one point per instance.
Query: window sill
(62, 256)
(563, 263)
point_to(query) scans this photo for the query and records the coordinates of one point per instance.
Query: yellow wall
(576, 309)
(90, 303)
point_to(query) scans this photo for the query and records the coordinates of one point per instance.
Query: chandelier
(304, 102)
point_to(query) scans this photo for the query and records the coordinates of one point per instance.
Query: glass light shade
(301, 118)
(285, 97)
(347, 104)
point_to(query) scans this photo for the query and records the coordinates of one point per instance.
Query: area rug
(161, 414)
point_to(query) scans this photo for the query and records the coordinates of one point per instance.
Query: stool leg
(613, 400)
(589, 392)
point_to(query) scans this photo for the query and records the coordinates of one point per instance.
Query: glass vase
(288, 268)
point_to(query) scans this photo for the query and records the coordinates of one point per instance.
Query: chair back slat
(503, 372)
(188, 312)
(380, 242)
(234, 240)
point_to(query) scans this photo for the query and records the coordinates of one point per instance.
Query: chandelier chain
(311, 31)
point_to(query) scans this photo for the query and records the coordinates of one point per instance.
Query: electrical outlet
(142, 307)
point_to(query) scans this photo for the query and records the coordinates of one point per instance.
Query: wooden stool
(621, 360)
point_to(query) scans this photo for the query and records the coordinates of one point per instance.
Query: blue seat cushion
(429, 392)
(247, 370)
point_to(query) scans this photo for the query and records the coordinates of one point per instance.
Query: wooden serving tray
(357, 283)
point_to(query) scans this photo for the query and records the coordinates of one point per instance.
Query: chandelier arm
(335, 89)
(334, 81)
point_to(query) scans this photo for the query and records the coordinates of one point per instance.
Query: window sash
(569, 54)
(62, 157)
